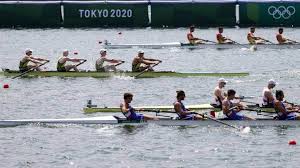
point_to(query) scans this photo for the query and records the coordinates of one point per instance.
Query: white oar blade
(245, 130)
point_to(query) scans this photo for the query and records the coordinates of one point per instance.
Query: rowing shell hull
(123, 74)
(199, 46)
(199, 107)
(163, 122)
(91, 120)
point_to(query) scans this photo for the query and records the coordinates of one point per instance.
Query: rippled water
(146, 145)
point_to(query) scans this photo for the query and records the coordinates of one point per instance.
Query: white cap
(141, 52)
(102, 51)
(28, 50)
(222, 80)
(65, 50)
(272, 82)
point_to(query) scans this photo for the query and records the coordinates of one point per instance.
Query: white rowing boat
(113, 120)
(198, 46)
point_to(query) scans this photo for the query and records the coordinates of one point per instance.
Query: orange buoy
(5, 86)
(292, 142)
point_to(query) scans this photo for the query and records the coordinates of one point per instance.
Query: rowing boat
(113, 120)
(95, 74)
(195, 46)
(199, 107)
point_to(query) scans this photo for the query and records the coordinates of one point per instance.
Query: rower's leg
(248, 118)
(75, 68)
(147, 117)
(38, 68)
(35, 66)
(69, 67)
(149, 68)
(111, 68)
(198, 117)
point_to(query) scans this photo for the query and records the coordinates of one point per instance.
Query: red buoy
(5, 86)
(292, 142)
(213, 113)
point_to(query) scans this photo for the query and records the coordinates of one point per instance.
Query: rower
(283, 112)
(231, 110)
(100, 67)
(61, 63)
(268, 97)
(219, 93)
(281, 39)
(221, 39)
(28, 61)
(130, 113)
(184, 113)
(253, 39)
(193, 40)
(140, 63)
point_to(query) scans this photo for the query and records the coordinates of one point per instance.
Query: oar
(244, 45)
(31, 69)
(247, 97)
(157, 111)
(242, 129)
(295, 42)
(250, 102)
(272, 116)
(208, 41)
(145, 70)
(257, 110)
(119, 63)
(267, 40)
(81, 63)
(293, 104)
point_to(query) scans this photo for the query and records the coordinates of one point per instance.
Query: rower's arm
(225, 107)
(147, 62)
(123, 108)
(178, 110)
(111, 60)
(32, 59)
(280, 39)
(38, 59)
(257, 38)
(151, 59)
(73, 59)
(191, 37)
(279, 108)
(270, 96)
(218, 93)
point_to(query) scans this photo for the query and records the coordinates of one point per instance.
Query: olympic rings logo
(281, 12)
